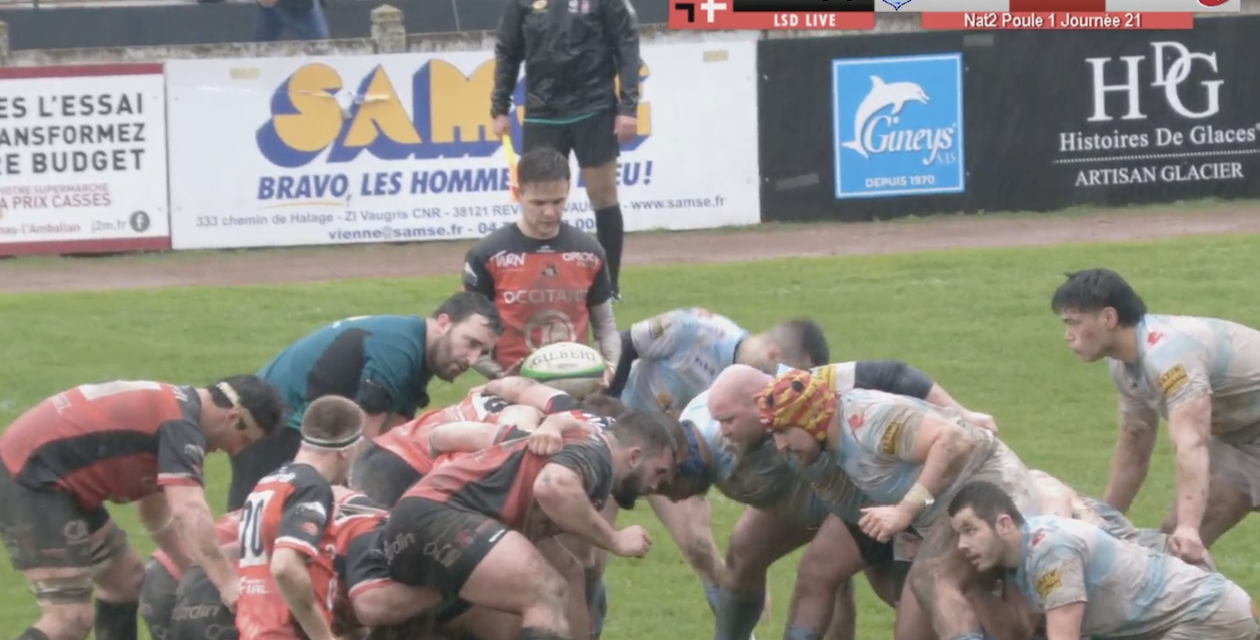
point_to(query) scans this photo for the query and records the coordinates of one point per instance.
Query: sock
(971, 635)
(711, 596)
(534, 633)
(597, 602)
(738, 614)
(116, 620)
(32, 633)
(610, 230)
(794, 632)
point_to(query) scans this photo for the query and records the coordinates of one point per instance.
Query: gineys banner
(398, 148)
(1137, 117)
(82, 159)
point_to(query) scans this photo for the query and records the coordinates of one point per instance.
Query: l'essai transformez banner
(82, 159)
(398, 148)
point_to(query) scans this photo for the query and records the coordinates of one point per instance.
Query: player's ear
(634, 456)
(234, 419)
(516, 192)
(443, 323)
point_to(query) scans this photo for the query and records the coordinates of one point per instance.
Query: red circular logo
(1212, 3)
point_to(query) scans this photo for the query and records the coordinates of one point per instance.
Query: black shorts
(199, 614)
(591, 139)
(382, 475)
(873, 551)
(157, 599)
(257, 460)
(438, 545)
(366, 567)
(47, 528)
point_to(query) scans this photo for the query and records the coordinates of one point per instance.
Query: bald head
(732, 402)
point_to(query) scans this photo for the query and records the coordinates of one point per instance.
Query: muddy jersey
(115, 441)
(680, 352)
(542, 288)
(1129, 591)
(410, 440)
(877, 435)
(1181, 358)
(288, 509)
(760, 478)
(355, 516)
(499, 482)
(225, 532)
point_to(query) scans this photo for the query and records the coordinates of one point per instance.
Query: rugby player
(902, 453)
(478, 526)
(120, 441)
(283, 523)
(1088, 583)
(784, 509)
(162, 577)
(384, 363)
(547, 278)
(1202, 375)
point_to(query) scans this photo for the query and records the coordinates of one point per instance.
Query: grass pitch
(977, 321)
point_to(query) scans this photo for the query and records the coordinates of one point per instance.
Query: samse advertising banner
(398, 148)
(82, 159)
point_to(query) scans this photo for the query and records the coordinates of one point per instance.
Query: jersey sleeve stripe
(295, 544)
(368, 585)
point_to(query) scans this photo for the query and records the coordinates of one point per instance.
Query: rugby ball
(571, 367)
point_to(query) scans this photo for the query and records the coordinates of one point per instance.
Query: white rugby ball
(571, 367)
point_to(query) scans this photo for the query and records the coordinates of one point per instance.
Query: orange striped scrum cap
(798, 399)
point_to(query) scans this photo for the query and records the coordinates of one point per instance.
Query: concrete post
(388, 33)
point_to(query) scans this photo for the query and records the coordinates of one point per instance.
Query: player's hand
(609, 374)
(545, 441)
(230, 593)
(982, 420)
(882, 523)
(1187, 545)
(626, 128)
(631, 542)
(501, 126)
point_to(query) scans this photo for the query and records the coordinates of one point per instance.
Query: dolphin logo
(882, 95)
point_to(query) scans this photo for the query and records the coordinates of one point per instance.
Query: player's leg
(157, 599)
(1233, 490)
(938, 579)
(829, 563)
(199, 613)
(118, 574)
(578, 612)
(1235, 619)
(597, 149)
(48, 540)
(757, 541)
(381, 475)
(595, 588)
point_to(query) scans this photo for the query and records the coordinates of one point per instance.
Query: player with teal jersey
(382, 362)
(1088, 583)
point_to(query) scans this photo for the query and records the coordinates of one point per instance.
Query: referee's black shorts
(592, 139)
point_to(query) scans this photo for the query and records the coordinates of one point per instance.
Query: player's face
(738, 422)
(645, 476)
(233, 435)
(799, 444)
(1088, 335)
(461, 346)
(977, 540)
(542, 207)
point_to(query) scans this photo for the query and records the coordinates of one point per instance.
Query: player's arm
(1057, 574)
(1004, 617)
(522, 390)
(940, 446)
(1131, 459)
(509, 51)
(563, 491)
(377, 397)
(599, 303)
(895, 376)
(303, 520)
(1064, 623)
(463, 436)
(621, 28)
(181, 454)
(155, 516)
(688, 523)
(1187, 392)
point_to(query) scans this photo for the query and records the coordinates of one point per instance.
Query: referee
(574, 51)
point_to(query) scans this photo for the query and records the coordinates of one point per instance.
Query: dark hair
(802, 339)
(602, 405)
(543, 164)
(465, 304)
(332, 418)
(1092, 290)
(255, 394)
(643, 429)
(987, 501)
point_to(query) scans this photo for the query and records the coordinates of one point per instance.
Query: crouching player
(478, 527)
(163, 578)
(1088, 583)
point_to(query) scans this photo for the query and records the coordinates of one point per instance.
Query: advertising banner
(82, 159)
(398, 148)
(1137, 117)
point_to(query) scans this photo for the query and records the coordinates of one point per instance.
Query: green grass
(976, 320)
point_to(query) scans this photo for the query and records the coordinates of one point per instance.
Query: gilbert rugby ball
(571, 367)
